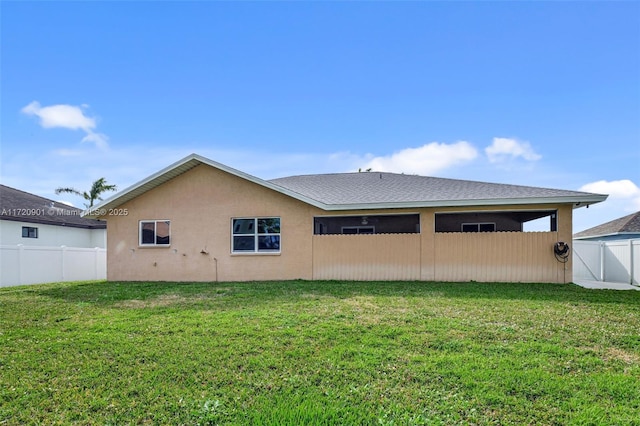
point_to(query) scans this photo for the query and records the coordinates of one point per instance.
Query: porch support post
(565, 233)
(427, 245)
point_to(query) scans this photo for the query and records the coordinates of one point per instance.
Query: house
(199, 220)
(36, 221)
(623, 228)
(45, 241)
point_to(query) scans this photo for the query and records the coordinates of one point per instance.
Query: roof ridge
(338, 173)
(631, 217)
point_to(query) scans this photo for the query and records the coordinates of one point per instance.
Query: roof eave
(174, 170)
(38, 221)
(577, 201)
(610, 234)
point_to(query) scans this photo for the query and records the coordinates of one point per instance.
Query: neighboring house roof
(370, 190)
(22, 206)
(629, 224)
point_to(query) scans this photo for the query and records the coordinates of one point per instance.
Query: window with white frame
(256, 235)
(155, 232)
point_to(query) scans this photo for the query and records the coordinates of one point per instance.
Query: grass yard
(318, 353)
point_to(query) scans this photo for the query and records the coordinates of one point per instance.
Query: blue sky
(533, 93)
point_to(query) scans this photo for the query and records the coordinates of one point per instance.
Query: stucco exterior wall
(200, 205)
(202, 202)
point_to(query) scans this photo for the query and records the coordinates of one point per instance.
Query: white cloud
(616, 188)
(504, 149)
(67, 117)
(425, 160)
(99, 139)
(623, 190)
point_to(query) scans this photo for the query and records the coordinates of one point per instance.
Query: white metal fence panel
(613, 261)
(34, 265)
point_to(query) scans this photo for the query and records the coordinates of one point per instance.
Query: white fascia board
(611, 234)
(577, 201)
(594, 236)
(161, 177)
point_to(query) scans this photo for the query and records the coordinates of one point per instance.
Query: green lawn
(321, 353)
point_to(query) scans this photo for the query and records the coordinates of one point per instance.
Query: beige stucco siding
(200, 205)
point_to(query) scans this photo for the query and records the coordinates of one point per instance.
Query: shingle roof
(25, 207)
(629, 224)
(381, 188)
(369, 190)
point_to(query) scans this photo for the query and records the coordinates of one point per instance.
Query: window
(256, 235)
(155, 232)
(358, 230)
(478, 227)
(29, 232)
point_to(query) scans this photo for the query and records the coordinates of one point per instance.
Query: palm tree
(97, 188)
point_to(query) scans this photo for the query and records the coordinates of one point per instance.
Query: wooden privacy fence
(36, 264)
(613, 261)
(486, 256)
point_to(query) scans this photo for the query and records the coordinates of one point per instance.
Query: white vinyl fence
(613, 261)
(36, 264)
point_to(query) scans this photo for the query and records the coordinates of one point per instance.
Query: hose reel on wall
(561, 251)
